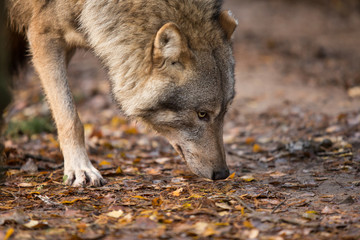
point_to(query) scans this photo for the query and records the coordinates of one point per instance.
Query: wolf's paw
(86, 176)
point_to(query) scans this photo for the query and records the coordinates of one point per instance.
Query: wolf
(170, 65)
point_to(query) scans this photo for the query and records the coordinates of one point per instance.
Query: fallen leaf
(9, 233)
(115, 214)
(31, 224)
(223, 205)
(204, 229)
(247, 224)
(249, 140)
(104, 163)
(196, 196)
(247, 178)
(156, 202)
(311, 215)
(140, 197)
(26, 184)
(257, 148)
(354, 92)
(177, 192)
(254, 233)
(74, 200)
(119, 170)
(277, 174)
(231, 175)
(327, 210)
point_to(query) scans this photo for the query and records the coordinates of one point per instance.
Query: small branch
(243, 204)
(277, 206)
(39, 157)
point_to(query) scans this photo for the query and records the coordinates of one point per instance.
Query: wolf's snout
(220, 174)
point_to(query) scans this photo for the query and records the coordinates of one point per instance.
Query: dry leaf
(257, 148)
(140, 197)
(9, 233)
(104, 163)
(223, 206)
(231, 175)
(247, 178)
(115, 214)
(249, 140)
(177, 192)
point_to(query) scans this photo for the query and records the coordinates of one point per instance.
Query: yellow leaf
(156, 202)
(257, 148)
(140, 197)
(54, 141)
(131, 130)
(104, 163)
(38, 193)
(177, 192)
(8, 234)
(311, 215)
(5, 208)
(116, 121)
(222, 224)
(115, 214)
(119, 170)
(247, 178)
(74, 200)
(195, 196)
(231, 176)
(187, 205)
(110, 155)
(247, 224)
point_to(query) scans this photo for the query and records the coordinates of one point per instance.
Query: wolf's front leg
(49, 58)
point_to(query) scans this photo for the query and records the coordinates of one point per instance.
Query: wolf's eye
(203, 116)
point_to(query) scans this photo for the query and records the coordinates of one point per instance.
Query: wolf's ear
(168, 42)
(228, 23)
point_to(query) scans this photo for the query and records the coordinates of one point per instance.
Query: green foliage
(29, 127)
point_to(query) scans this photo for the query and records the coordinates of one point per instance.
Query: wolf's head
(171, 66)
(191, 89)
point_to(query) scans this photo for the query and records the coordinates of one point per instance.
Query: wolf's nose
(222, 174)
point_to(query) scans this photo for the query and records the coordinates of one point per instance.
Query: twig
(39, 157)
(277, 206)
(326, 154)
(299, 223)
(8, 192)
(240, 155)
(243, 204)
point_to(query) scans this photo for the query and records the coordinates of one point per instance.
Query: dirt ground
(292, 138)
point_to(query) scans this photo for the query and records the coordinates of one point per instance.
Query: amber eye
(203, 116)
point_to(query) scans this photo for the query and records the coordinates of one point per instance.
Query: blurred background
(305, 53)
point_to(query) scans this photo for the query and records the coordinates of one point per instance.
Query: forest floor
(292, 138)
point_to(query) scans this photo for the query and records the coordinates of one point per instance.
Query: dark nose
(222, 174)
